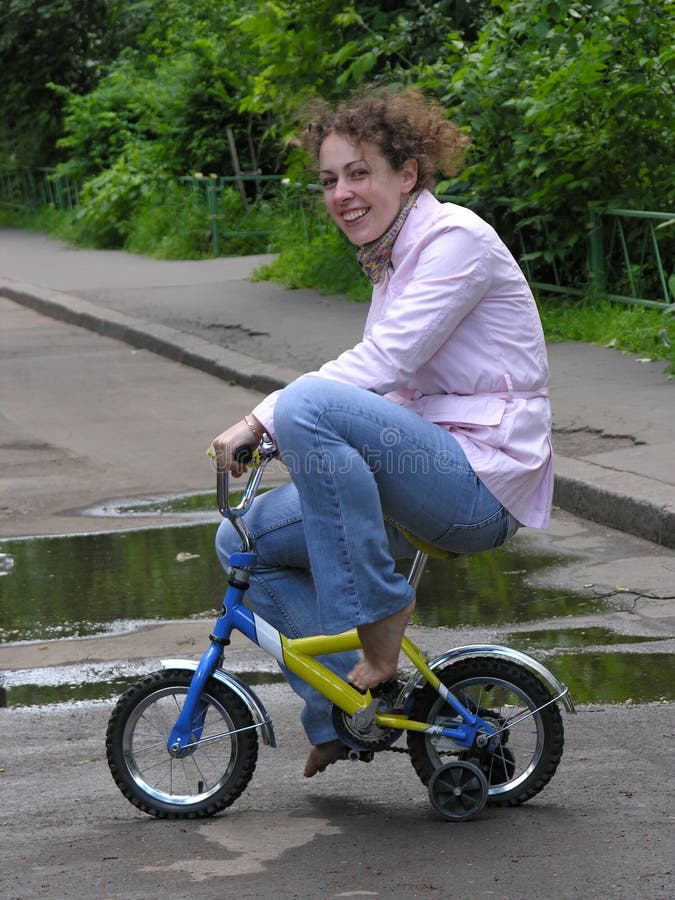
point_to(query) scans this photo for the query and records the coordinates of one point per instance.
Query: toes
(323, 755)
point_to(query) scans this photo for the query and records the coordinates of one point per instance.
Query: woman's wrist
(256, 431)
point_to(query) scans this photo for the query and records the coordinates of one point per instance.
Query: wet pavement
(112, 583)
(600, 639)
(96, 433)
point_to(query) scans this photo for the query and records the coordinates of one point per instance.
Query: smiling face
(362, 192)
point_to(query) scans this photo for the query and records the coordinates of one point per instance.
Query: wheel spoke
(524, 719)
(200, 780)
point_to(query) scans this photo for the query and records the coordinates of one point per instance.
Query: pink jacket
(453, 333)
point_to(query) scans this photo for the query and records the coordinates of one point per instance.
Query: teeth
(354, 214)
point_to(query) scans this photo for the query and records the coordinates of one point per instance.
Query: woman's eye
(327, 183)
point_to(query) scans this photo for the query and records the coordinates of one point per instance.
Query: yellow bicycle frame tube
(298, 656)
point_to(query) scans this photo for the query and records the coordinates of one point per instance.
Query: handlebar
(258, 459)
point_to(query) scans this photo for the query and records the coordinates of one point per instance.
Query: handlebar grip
(243, 455)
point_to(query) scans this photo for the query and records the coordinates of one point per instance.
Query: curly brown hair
(403, 124)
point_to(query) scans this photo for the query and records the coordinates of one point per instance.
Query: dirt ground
(602, 828)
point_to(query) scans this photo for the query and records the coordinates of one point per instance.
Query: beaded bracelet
(250, 424)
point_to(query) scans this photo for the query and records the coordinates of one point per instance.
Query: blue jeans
(325, 552)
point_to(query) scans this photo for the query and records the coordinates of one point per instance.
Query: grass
(325, 263)
(647, 333)
(169, 224)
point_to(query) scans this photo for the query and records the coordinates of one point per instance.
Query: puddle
(616, 677)
(492, 589)
(561, 638)
(102, 583)
(84, 585)
(71, 684)
(591, 677)
(188, 505)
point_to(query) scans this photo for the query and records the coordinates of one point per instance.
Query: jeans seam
(484, 523)
(346, 563)
(291, 520)
(295, 631)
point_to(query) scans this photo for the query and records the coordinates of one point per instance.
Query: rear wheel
(513, 702)
(204, 779)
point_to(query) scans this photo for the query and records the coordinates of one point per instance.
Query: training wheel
(458, 790)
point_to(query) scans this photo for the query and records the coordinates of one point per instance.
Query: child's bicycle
(482, 722)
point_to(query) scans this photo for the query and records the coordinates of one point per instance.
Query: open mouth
(353, 215)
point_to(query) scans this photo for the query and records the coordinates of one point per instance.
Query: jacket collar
(424, 211)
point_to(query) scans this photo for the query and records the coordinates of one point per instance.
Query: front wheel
(204, 780)
(512, 701)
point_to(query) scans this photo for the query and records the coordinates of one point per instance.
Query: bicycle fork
(187, 731)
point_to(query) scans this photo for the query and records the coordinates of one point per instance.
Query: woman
(438, 419)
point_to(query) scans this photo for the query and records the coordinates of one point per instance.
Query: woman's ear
(408, 175)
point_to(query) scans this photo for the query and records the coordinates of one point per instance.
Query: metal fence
(31, 188)
(234, 212)
(630, 259)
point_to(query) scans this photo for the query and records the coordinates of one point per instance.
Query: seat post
(417, 568)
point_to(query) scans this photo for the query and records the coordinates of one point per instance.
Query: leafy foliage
(566, 102)
(43, 42)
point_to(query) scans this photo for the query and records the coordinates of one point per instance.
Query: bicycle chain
(396, 750)
(407, 751)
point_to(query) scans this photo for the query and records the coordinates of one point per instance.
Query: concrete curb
(625, 501)
(622, 500)
(179, 346)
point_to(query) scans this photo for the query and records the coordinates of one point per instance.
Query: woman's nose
(343, 190)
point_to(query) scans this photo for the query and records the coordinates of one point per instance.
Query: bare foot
(381, 643)
(323, 755)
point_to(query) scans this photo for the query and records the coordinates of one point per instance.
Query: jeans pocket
(479, 536)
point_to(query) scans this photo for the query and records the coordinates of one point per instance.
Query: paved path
(603, 827)
(614, 415)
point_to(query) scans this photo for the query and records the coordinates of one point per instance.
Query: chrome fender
(555, 686)
(259, 714)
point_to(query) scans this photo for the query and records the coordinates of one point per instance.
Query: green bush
(109, 201)
(325, 262)
(566, 104)
(169, 223)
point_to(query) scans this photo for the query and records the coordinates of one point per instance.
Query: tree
(43, 42)
(566, 103)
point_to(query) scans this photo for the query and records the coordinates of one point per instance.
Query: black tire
(458, 790)
(202, 782)
(501, 692)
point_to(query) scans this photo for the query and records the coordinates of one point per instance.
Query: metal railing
(249, 216)
(632, 258)
(630, 255)
(30, 188)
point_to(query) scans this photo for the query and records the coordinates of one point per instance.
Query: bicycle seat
(422, 545)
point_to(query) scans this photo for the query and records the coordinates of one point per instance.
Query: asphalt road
(85, 419)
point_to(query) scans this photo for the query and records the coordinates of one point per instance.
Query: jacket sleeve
(440, 281)
(447, 279)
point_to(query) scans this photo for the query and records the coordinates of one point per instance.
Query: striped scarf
(375, 257)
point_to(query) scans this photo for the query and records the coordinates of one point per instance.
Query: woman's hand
(246, 433)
